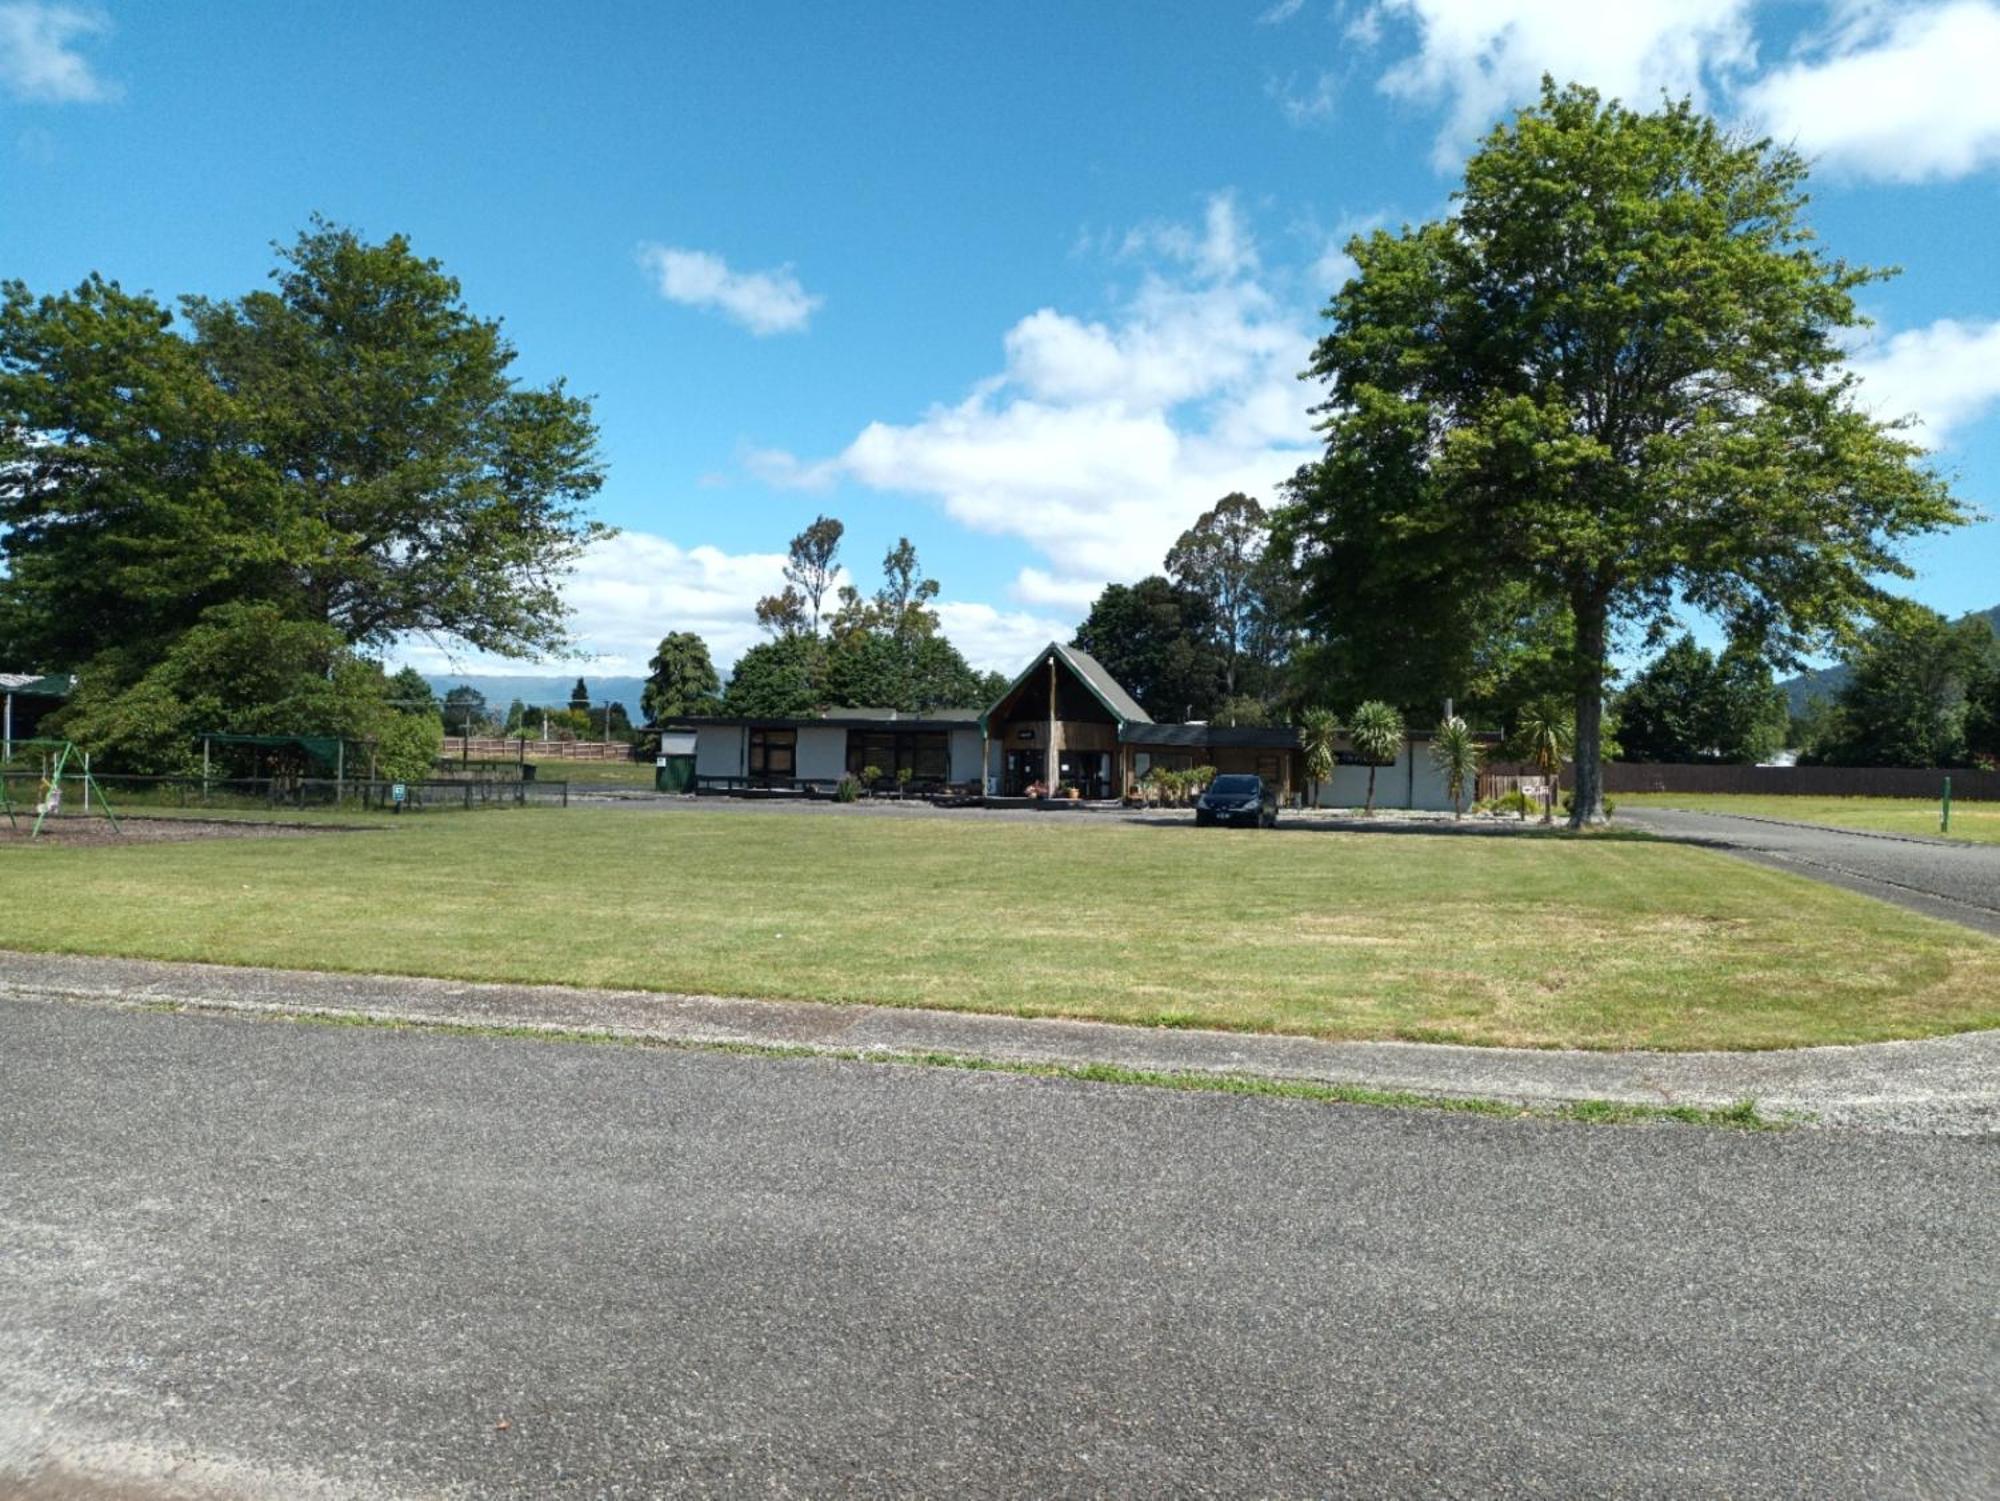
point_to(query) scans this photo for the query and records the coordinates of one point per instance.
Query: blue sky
(1029, 285)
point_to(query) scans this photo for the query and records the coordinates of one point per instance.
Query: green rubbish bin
(673, 773)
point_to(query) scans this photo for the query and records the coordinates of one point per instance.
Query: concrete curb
(1938, 1086)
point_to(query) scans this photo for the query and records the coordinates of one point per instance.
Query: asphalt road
(1952, 879)
(271, 1259)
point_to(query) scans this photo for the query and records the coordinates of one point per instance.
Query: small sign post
(398, 794)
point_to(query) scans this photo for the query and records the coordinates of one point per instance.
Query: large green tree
(1688, 704)
(680, 679)
(1916, 694)
(348, 447)
(1612, 381)
(781, 678)
(248, 668)
(1221, 559)
(1159, 640)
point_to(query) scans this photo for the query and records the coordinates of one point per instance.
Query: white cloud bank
(765, 302)
(39, 60)
(1946, 374)
(1478, 58)
(1099, 441)
(1885, 89)
(633, 589)
(1905, 93)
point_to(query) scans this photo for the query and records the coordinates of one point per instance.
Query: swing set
(50, 797)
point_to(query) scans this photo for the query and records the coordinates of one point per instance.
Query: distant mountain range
(1828, 681)
(545, 692)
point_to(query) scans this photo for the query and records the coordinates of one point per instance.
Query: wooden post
(1052, 760)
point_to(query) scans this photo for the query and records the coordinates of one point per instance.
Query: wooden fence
(1772, 781)
(1801, 781)
(491, 748)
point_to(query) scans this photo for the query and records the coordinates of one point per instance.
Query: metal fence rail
(274, 795)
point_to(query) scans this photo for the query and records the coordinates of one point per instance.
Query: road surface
(266, 1258)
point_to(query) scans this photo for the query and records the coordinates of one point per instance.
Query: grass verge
(1976, 823)
(1496, 940)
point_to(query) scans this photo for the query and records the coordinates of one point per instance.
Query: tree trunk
(1370, 809)
(1591, 620)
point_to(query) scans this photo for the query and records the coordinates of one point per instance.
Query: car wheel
(1203, 820)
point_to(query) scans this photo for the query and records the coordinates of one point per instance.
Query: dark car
(1238, 799)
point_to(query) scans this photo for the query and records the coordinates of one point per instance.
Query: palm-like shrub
(1319, 735)
(1544, 736)
(1377, 733)
(1455, 753)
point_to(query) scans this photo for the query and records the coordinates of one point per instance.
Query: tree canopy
(1610, 386)
(1690, 705)
(680, 679)
(1159, 640)
(246, 668)
(347, 446)
(1921, 691)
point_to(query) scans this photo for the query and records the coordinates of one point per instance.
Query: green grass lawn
(1978, 822)
(584, 775)
(1528, 940)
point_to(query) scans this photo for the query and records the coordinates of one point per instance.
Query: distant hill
(1828, 681)
(549, 692)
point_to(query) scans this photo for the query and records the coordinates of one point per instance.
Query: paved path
(263, 1261)
(1947, 1085)
(1949, 878)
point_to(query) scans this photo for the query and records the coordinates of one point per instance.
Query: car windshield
(1238, 786)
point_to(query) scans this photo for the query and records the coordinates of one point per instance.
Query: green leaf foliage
(347, 448)
(1159, 640)
(1610, 386)
(246, 669)
(1923, 691)
(1690, 705)
(680, 679)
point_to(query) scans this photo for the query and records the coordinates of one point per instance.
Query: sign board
(398, 792)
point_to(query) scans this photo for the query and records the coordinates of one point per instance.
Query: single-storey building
(1063, 720)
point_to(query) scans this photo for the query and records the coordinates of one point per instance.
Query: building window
(925, 754)
(774, 753)
(1145, 761)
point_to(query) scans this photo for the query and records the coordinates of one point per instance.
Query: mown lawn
(583, 775)
(1525, 940)
(1979, 822)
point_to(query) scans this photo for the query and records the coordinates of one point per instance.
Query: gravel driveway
(1944, 878)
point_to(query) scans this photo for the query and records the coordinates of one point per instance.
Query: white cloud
(1281, 12)
(1946, 373)
(39, 60)
(1221, 248)
(1478, 57)
(1901, 92)
(999, 640)
(631, 590)
(1101, 440)
(1310, 105)
(1037, 586)
(765, 302)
